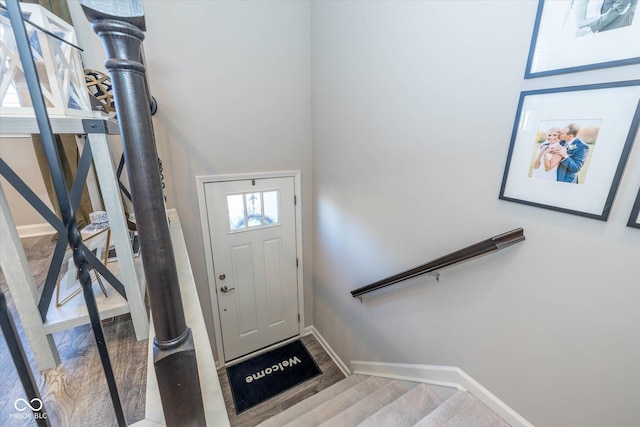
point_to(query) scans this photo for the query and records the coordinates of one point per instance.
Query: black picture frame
(586, 182)
(634, 218)
(556, 47)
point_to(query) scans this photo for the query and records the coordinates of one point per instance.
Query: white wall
(413, 105)
(232, 84)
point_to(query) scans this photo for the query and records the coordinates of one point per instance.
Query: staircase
(360, 400)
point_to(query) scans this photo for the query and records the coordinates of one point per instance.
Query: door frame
(201, 182)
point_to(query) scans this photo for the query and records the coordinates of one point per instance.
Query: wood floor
(331, 374)
(75, 392)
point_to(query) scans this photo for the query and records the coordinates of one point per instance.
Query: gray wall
(413, 105)
(232, 84)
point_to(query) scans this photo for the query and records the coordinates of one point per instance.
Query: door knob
(222, 276)
(224, 289)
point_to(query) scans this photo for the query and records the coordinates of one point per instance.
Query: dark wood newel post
(120, 26)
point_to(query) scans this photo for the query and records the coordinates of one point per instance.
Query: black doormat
(266, 375)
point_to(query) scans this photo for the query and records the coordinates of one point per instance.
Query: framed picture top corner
(581, 35)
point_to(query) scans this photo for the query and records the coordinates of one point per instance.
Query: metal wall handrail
(484, 247)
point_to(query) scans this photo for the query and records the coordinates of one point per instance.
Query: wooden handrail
(493, 244)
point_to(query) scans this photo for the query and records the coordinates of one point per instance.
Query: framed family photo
(634, 219)
(569, 147)
(580, 35)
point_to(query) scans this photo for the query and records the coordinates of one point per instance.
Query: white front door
(252, 232)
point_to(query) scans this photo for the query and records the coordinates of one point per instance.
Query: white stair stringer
(364, 401)
(443, 378)
(376, 395)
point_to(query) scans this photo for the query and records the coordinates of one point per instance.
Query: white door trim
(201, 181)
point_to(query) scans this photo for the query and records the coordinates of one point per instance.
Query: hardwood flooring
(75, 392)
(331, 374)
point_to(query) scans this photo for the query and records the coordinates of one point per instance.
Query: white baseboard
(45, 229)
(35, 230)
(446, 376)
(341, 365)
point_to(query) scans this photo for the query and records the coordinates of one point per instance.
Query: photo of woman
(546, 163)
